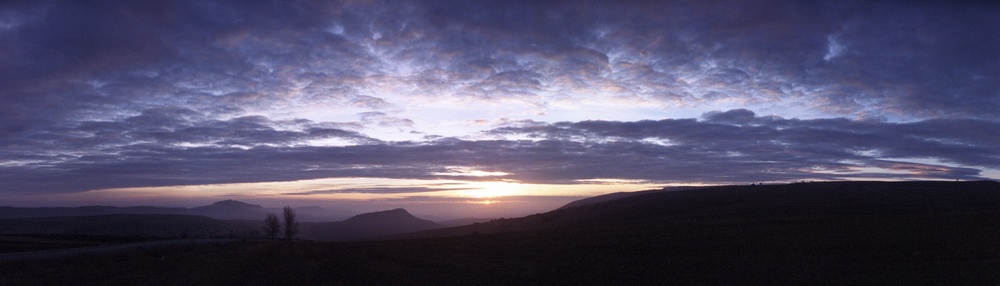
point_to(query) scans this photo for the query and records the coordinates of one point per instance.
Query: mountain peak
(396, 211)
(393, 214)
(232, 204)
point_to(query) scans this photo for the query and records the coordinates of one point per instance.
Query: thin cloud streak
(732, 146)
(383, 190)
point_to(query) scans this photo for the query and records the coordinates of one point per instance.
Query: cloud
(753, 145)
(735, 116)
(379, 190)
(507, 84)
(169, 128)
(114, 94)
(384, 120)
(205, 55)
(672, 150)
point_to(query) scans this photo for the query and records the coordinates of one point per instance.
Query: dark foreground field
(951, 238)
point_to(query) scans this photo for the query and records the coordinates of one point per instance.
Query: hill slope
(618, 195)
(792, 201)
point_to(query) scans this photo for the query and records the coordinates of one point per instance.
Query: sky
(485, 108)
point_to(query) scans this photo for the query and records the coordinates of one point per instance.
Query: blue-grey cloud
(117, 93)
(732, 146)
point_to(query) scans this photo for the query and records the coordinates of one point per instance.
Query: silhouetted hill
(800, 200)
(230, 209)
(463, 221)
(618, 195)
(135, 225)
(367, 225)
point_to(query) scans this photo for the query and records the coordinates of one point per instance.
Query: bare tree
(291, 226)
(271, 225)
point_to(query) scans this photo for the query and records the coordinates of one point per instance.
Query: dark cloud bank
(101, 94)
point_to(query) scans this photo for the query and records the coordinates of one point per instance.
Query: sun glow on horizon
(317, 191)
(494, 189)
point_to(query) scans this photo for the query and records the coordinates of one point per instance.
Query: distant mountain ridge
(230, 209)
(464, 221)
(382, 216)
(368, 225)
(226, 210)
(230, 204)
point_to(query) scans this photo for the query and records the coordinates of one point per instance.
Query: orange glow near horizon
(438, 198)
(352, 189)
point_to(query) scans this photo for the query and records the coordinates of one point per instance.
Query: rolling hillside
(813, 234)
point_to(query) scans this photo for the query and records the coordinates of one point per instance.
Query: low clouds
(738, 146)
(732, 146)
(115, 94)
(172, 126)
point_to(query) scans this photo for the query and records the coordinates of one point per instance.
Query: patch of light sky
(332, 190)
(448, 114)
(834, 48)
(453, 120)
